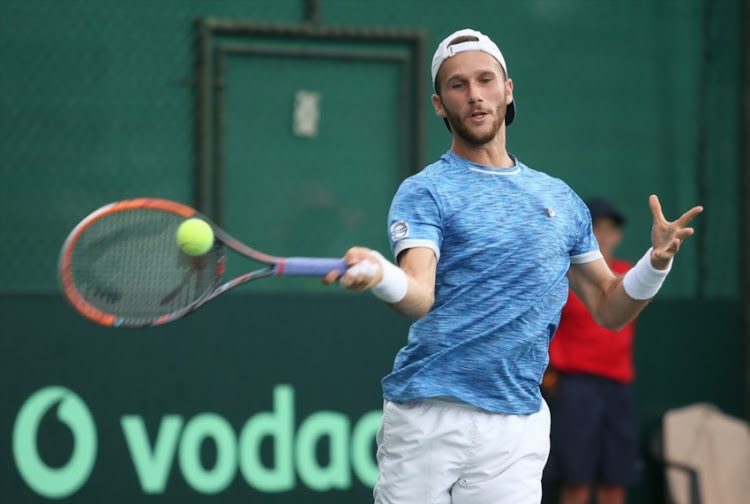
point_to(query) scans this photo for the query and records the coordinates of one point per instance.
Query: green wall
(97, 103)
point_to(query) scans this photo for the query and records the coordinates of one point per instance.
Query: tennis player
(486, 248)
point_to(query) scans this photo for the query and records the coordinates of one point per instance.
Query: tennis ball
(195, 237)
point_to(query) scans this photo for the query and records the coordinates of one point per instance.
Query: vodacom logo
(57, 482)
(176, 444)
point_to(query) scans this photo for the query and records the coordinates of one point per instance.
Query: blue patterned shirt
(504, 239)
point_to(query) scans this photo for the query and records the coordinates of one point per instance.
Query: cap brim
(618, 219)
(510, 113)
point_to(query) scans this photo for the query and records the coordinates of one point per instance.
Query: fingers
(684, 220)
(356, 254)
(655, 206)
(364, 270)
(688, 216)
(360, 276)
(331, 277)
(666, 236)
(676, 229)
(684, 233)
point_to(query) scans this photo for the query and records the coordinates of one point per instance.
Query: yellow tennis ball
(195, 237)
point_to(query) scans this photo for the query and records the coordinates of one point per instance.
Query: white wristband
(394, 284)
(643, 281)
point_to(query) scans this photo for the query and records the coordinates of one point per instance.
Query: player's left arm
(616, 300)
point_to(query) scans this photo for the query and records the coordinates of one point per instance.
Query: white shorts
(439, 452)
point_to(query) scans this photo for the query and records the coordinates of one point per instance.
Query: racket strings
(128, 264)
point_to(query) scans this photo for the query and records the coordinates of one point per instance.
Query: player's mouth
(478, 116)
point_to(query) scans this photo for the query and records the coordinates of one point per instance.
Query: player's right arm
(420, 266)
(417, 268)
(415, 222)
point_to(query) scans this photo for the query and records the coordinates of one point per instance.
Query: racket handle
(309, 266)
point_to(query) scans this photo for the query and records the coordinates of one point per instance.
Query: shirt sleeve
(415, 218)
(586, 248)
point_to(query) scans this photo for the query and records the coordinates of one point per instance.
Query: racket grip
(309, 266)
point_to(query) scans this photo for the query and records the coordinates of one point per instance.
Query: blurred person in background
(588, 384)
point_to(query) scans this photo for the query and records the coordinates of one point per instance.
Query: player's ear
(508, 91)
(437, 103)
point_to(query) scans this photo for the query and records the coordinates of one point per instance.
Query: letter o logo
(54, 483)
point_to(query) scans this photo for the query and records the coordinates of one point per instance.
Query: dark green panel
(689, 352)
(229, 357)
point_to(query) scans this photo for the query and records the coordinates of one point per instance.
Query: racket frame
(275, 265)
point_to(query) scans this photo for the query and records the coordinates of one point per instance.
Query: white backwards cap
(483, 43)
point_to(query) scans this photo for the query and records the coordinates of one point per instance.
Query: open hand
(666, 236)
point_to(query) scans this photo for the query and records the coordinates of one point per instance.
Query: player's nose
(474, 94)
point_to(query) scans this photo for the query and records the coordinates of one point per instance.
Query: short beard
(468, 135)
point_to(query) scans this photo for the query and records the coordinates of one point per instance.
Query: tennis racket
(122, 267)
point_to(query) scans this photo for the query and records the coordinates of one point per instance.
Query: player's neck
(492, 153)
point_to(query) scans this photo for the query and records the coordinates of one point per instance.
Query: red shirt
(580, 345)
